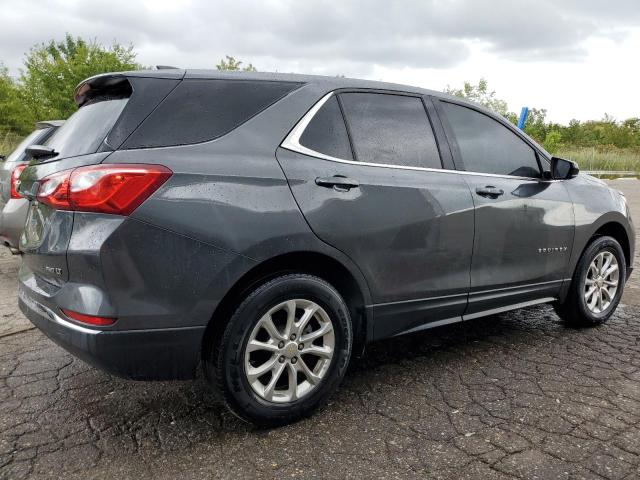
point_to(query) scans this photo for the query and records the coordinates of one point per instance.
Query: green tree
(13, 117)
(605, 135)
(53, 70)
(232, 64)
(574, 133)
(535, 125)
(480, 94)
(552, 141)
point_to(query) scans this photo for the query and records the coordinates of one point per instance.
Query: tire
(257, 399)
(576, 310)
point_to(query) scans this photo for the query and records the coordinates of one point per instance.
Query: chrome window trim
(292, 143)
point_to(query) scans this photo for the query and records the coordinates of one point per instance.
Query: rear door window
(202, 110)
(85, 130)
(390, 129)
(487, 146)
(327, 133)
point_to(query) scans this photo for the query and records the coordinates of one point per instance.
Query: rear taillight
(115, 189)
(54, 190)
(89, 319)
(15, 181)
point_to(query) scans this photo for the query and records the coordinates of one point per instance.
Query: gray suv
(13, 208)
(268, 226)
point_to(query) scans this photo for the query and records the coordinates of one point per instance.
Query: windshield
(18, 154)
(85, 130)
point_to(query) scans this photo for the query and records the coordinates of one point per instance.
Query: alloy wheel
(289, 351)
(601, 284)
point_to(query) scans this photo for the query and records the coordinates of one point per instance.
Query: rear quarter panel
(230, 192)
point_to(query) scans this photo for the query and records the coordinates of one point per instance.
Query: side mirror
(562, 169)
(40, 151)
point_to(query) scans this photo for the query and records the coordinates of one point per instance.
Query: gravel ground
(512, 396)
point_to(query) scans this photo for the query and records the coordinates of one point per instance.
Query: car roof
(330, 82)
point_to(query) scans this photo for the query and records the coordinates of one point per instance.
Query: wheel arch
(348, 281)
(612, 224)
(616, 230)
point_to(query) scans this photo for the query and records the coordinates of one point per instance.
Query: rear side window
(37, 136)
(487, 146)
(327, 133)
(390, 129)
(202, 110)
(85, 130)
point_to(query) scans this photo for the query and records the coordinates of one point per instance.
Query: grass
(8, 142)
(603, 158)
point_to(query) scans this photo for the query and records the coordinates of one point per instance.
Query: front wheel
(597, 284)
(284, 351)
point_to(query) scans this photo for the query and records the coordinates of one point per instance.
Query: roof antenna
(166, 67)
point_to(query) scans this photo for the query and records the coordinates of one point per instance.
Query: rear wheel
(597, 284)
(284, 351)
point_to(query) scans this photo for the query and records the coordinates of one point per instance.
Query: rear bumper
(12, 218)
(155, 354)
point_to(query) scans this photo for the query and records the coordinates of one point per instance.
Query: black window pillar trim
(456, 156)
(354, 154)
(444, 148)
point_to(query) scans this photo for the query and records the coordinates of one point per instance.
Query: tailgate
(109, 111)
(47, 231)
(79, 142)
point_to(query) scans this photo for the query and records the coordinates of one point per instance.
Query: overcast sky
(576, 58)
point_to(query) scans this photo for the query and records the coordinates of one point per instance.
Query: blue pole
(523, 117)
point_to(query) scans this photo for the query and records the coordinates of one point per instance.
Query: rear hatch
(89, 136)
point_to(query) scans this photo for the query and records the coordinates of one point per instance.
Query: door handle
(489, 191)
(337, 182)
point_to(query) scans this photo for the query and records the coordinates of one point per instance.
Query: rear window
(85, 130)
(37, 136)
(202, 110)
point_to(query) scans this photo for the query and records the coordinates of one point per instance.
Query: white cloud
(573, 57)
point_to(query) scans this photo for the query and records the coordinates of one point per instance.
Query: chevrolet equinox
(268, 226)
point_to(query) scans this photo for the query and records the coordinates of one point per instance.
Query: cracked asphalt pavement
(516, 395)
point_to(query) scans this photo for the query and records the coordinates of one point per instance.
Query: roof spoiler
(49, 124)
(115, 86)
